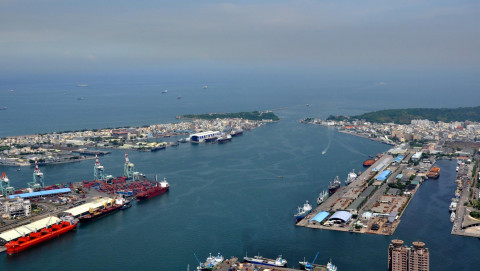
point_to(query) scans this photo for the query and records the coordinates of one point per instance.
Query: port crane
(37, 178)
(129, 170)
(98, 170)
(309, 266)
(5, 187)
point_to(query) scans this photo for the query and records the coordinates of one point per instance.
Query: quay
(375, 201)
(234, 264)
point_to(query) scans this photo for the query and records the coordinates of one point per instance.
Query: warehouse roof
(26, 229)
(320, 216)
(41, 193)
(84, 208)
(344, 216)
(384, 175)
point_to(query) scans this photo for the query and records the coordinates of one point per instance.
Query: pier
(370, 205)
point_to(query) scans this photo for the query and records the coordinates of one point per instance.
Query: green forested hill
(404, 116)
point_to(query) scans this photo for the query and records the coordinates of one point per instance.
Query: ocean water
(225, 198)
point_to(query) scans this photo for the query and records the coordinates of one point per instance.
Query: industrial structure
(98, 170)
(38, 181)
(5, 187)
(16, 208)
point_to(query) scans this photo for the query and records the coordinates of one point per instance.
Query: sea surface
(228, 198)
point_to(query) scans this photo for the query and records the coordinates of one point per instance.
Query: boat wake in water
(329, 134)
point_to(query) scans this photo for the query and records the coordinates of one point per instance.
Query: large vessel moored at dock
(278, 262)
(46, 233)
(322, 197)
(352, 176)
(108, 208)
(303, 211)
(334, 185)
(157, 189)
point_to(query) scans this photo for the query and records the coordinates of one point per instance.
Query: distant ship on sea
(3, 108)
(165, 91)
(82, 85)
(205, 87)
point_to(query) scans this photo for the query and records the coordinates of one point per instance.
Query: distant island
(405, 116)
(254, 115)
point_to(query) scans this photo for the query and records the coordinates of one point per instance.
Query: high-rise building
(397, 256)
(403, 258)
(419, 257)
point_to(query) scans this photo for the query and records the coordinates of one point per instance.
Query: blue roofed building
(41, 193)
(320, 217)
(384, 175)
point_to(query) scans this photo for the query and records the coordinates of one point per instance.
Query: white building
(17, 208)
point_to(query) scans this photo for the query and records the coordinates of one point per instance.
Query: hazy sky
(97, 35)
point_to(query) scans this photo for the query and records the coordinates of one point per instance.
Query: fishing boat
(303, 211)
(334, 185)
(278, 262)
(352, 176)
(322, 197)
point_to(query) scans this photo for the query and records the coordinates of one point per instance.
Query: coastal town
(73, 146)
(374, 200)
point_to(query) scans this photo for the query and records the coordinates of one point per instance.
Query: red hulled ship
(157, 189)
(37, 237)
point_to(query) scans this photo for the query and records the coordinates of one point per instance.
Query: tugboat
(351, 177)
(452, 217)
(278, 262)
(334, 186)
(157, 189)
(303, 211)
(210, 263)
(322, 197)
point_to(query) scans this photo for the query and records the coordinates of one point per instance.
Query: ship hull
(150, 194)
(300, 217)
(102, 213)
(16, 248)
(267, 262)
(332, 190)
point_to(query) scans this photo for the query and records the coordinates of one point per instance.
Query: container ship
(433, 173)
(159, 188)
(303, 211)
(278, 262)
(51, 227)
(334, 186)
(114, 206)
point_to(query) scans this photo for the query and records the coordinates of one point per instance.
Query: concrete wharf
(233, 264)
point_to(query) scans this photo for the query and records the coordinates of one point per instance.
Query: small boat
(3, 108)
(452, 217)
(179, 97)
(224, 138)
(352, 176)
(11, 90)
(82, 85)
(278, 262)
(303, 211)
(165, 91)
(322, 197)
(205, 87)
(452, 207)
(210, 263)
